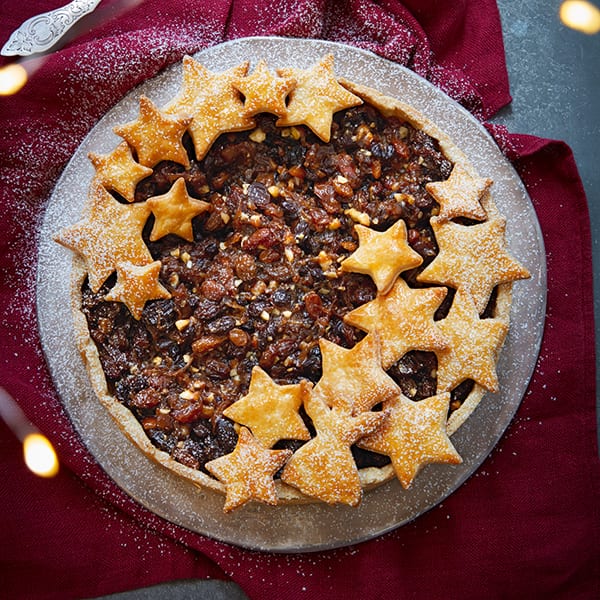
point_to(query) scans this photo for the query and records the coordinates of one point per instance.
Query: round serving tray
(303, 527)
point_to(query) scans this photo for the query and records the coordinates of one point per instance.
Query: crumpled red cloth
(526, 524)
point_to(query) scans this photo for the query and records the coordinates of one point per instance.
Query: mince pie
(288, 287)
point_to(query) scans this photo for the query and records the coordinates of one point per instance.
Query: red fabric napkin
(527, 523)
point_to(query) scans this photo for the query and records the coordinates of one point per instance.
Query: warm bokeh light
(40, 456)
(580, 15)
(12, 78)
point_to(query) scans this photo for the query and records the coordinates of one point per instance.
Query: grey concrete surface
(555, 85)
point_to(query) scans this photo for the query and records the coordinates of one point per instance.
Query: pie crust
(340, 416)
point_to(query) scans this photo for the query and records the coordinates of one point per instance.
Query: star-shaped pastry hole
(473, 348)
(460, 195)
(110, 234)
(382, 255)
(324, 467)
(248, 471)
(413, 436)
(118, 171)
(271, 411)
(403, 319)
(174, 212)
(265, 92)
(136, 284)
(472, 258)
(353, 379)
(316, 97)
(212, 101)
(155, 135)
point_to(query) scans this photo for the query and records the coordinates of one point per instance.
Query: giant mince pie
(288, 287)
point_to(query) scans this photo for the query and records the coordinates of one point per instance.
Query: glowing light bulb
(580, 15)
(40, 456)
(12, 78)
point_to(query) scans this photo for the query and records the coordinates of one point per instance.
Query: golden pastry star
(473, 348)
(460, 195)
(118, 171)
(324, 468)
(156, 135)
(264, 92)
(110, 234)
(316, 97)
(353, 380)
(136, 284)
(174, 212)
(382, 255)
(473, 258)
(271, 410)
(414, 435)
(213, 103)
(248, 471)
(404, 320)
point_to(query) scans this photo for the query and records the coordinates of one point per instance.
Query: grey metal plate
(293, 528)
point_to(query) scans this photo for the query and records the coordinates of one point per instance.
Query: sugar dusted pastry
(472, 258)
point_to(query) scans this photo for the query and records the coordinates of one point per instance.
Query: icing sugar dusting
(187, 503)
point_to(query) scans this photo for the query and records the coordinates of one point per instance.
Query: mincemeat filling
(260, 285)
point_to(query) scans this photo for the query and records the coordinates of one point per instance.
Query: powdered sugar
(287, 527)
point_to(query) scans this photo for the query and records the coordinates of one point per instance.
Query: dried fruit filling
(261, 283)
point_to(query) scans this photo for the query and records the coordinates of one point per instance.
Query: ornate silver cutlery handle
(41, 32)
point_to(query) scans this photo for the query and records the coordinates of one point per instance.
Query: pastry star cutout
(118, 171)
(111, 234)
(460, 195)
(271, 410)
(324, 468)
(212, 101)
(473, 348)
(472, 258)
(174, 212)
(413, 436)
(315, 99)
(353, 380)
(248, 471)
(155, 135)
(264, 92)
(382, 255)
(404, 320)
(136, 284)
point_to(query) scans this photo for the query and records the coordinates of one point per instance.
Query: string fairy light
(580, 15)
(38, 453)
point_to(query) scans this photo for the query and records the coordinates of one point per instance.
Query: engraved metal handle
(41, 32)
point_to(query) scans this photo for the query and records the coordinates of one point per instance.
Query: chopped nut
(258, 135)
(189, 395)
(175, 252)
(264, 315)
(324, 260)
(157, 360)
(408, 198)
(181, 324)
(273, 191)
(184, 257)
(174, 280)
(358, 216)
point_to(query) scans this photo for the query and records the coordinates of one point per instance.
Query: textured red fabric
(526, 523)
